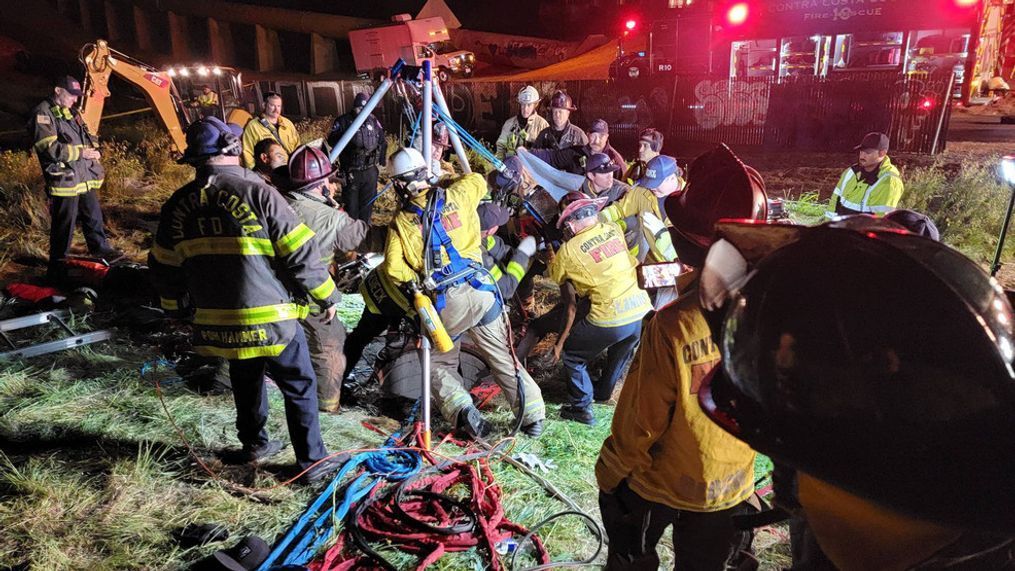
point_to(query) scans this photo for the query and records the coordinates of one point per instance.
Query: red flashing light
(927, 103)
(630, 25)
(737, 14)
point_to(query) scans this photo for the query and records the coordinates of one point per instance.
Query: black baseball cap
(601, 163)
(873, 141)
(70, 85)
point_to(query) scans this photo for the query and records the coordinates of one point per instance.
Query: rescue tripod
(402, 72)
(1008, 173)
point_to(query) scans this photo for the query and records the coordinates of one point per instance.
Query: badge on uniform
(43, 119)
(370, 127)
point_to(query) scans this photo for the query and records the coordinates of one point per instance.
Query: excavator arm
(100, 62)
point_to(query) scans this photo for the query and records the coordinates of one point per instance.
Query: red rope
(382, 523)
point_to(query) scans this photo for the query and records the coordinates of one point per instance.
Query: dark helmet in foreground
(880, 362)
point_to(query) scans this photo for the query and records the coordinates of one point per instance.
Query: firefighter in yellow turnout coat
(467, 304)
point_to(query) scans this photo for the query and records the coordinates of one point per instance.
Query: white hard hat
(528, 94)
(405, 161)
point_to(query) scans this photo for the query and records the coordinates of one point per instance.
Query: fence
(815, 114)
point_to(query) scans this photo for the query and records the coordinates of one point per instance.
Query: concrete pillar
(323, 55)
(269, 50)
(113, 22)
(220, 40)
(178, 37)
(86, 16)
(143, 30)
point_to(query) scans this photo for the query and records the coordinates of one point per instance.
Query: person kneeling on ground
(595, 261)
(448, 220)
(311, 194)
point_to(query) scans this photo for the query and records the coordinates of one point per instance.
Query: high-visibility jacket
(210, 99)
(59, 134)
(506, 265)
(600, 268)
(629, 211)
(570, 136)
(334, 230)
(231, 250)
(259, 128)
(660, 441)
(514, 133)
(860, 193)
(403, 251)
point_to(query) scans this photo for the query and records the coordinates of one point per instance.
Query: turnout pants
(702, 541)
(325, 341)
(466, 306)
(358, 192)
(294, 375)
(370, 326)
(584, 344)
(64, 212)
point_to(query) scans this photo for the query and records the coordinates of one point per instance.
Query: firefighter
(599, 180)
(232, 255)
(269, 156)
(594, 260)
(575, 159)
(506, 265)
(599, 141)
(642, 209)
(561, 133)
(69, 157)
(650, 146)
(523, 128)
(664, 463)
(467, 305)
(359, 159)
(894, 402)
(310, 193)
(872, 186)
(270, 124)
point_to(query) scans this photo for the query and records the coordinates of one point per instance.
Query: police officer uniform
(231, 252)
(59, 134)
(359, 160)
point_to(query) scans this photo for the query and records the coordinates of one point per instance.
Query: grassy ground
(92, 475)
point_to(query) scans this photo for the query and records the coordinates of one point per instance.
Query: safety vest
(229, 249)
(59, 135)
(209, 99)
(514, 133)
(853, 195)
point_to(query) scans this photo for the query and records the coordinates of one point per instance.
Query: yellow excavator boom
(101, 62)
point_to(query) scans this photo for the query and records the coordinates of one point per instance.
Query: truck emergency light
(630, 25)
(737, 14)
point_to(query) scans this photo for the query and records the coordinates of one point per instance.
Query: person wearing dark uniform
(69, 158)
(359, 160)
(561, 133)
(230, 253)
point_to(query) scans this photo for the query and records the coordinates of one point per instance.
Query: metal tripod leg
(44, 318)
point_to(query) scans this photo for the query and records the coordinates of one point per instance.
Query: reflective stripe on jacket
(853, 195)
(570, 136)
(230, 249)
(660, 441)
(513, 134)
(58, 136)
(597, 263)
(258, 128)
(506, 265)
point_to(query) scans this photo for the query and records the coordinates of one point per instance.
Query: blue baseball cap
(601, 163)
(657, 170)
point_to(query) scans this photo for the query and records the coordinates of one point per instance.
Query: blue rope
(469, 140)
(415, 128)
(315, 527)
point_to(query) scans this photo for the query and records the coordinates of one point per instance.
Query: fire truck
(792, 38)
